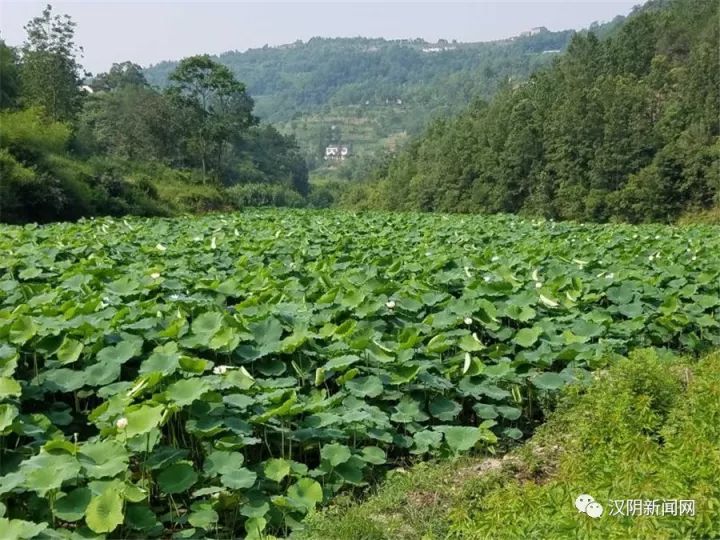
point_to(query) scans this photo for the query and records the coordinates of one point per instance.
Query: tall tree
(121, 75)
(9, 81)
(215, 107)
(50, 72)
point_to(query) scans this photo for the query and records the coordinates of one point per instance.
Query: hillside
(660, 446)
(116, 146)
(621, 128)
(375, 91)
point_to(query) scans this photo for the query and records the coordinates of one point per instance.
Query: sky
(149, 32)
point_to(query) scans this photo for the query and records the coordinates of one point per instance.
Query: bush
(254, 195)
(28, 134)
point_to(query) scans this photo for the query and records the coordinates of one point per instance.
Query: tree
(9, 81)
(49, 73)
(121, 75)
(214, 106)
(129, 122)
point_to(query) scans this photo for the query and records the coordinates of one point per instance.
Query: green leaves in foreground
(177, 478)
(228, 392)
(104, 513)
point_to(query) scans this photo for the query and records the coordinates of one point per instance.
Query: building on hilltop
(534, 31)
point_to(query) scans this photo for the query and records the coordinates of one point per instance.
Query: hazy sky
(148, 32)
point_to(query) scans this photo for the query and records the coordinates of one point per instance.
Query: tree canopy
(621, 128)
(68, 152)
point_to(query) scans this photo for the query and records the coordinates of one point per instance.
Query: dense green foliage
(369, 93)
(42, 182)
(49, 71)
(625, 128)
(645, 429)
(228, 373)
(68, 151)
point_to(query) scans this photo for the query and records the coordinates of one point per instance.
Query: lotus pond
(222, 376)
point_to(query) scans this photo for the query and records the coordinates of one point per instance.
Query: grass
(647, 428)
(706, 217)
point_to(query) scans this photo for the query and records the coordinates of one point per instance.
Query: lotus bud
(121, 423)
(468, 320)
(390, 304)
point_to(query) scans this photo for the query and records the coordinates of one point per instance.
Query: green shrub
(28, 132)
(255, 195)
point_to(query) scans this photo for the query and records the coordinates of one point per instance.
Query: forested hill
(621, 128)
(306, 76)
(371, 93)
(71, 148)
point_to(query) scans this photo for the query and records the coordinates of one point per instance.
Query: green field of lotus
(223, 376)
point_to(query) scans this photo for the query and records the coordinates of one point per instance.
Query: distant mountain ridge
(344, 70)
(372, 92)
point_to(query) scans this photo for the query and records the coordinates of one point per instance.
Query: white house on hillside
(337, 152)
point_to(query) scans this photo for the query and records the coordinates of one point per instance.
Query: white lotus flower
(220, 370)
(236, 232)
(468, 320)
(487, 279)
(694, 258)
(610, 275)
(390, 304)
(160, 247)
(495, 259)
(121, 423)
(155, 275)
